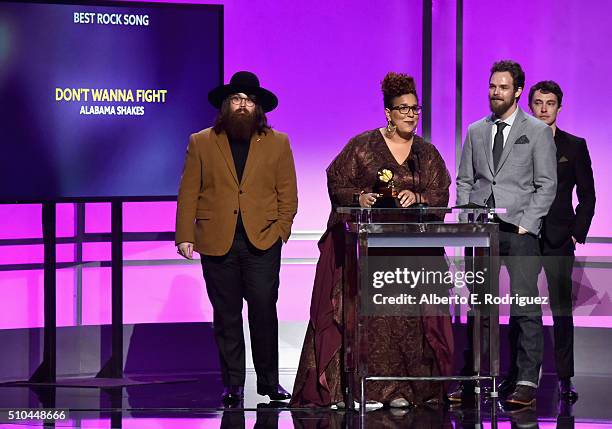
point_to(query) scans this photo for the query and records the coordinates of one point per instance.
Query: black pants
(245, 272)
(521, 255)
(558, 264)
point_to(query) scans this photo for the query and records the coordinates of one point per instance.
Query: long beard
(240, 124)
(500, 108)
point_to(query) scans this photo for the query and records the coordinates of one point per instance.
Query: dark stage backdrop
(98, 101)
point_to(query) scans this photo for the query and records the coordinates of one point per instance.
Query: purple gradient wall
(563, 40)
(325, 60)
(566, 41)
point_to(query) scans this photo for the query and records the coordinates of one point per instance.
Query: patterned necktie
(498, 143)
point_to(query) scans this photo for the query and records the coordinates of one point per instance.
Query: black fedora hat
(247, 83)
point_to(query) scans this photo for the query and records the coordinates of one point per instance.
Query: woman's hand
(406, 198)
(367, 200)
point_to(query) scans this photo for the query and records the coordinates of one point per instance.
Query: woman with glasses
(398, 345)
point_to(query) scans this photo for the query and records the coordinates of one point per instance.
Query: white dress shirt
(506, 131)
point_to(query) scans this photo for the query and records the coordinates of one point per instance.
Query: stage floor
(196, 404)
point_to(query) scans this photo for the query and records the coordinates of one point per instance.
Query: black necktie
(498, 143)
(498, 147)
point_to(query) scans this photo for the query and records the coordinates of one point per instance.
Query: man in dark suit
(562, 227)
(236, 203)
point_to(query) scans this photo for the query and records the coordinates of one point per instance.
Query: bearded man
(236, 204)
(508, 161)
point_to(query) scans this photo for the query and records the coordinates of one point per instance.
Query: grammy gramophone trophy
(385, 187)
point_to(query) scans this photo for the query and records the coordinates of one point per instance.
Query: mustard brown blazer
(210, 196)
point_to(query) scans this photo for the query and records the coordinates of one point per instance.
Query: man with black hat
(236, 203)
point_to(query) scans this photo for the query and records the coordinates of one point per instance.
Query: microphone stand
(418, 204)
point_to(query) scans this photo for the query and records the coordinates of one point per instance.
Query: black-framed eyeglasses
(403, 109)
(237, 100)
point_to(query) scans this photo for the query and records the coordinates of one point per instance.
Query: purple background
(325, 61)
(562, 40)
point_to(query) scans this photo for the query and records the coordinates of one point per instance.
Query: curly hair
(396, 85)
(515, 70)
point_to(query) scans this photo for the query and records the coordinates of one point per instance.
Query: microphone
(411, 165)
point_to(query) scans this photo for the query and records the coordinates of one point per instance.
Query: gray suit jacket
(525, 182)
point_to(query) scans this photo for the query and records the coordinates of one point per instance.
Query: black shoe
(464, 391)
(525, 417)
(506, 387)
(523, 396)
(232, 395)
(276, 393)
(567, 391)
(565, 409)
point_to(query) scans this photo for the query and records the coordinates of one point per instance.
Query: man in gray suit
(508, 161)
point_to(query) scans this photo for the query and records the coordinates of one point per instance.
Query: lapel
(223, 145)
(559, 143)
(255, 153)
(487, 143)
(515, 132)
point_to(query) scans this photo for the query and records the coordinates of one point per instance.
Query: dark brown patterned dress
(397, 345)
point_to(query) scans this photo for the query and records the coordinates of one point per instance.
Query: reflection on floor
(196, 404)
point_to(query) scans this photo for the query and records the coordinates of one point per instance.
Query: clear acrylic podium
(416, 228)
